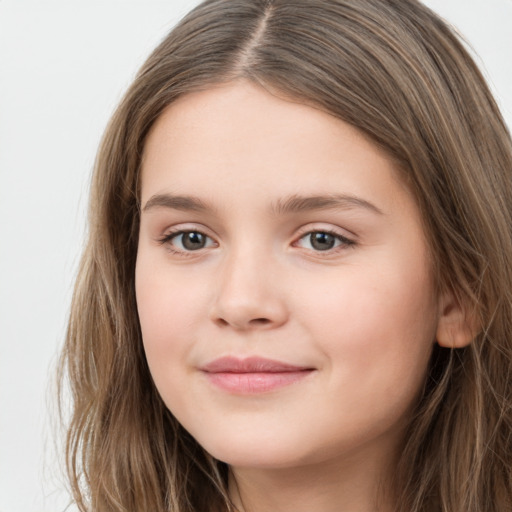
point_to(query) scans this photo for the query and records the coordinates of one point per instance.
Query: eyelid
(319, 227)
(175, 231)
(184, 228)
(347, 240)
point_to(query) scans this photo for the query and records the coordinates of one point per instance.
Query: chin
(255, 452)
(262, 452)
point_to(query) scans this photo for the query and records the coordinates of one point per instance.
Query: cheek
(377, 329)
(164, 306)
(377, 336)
(368, 300)
(169, 325)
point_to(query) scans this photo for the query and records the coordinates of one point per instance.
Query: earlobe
(458, 325)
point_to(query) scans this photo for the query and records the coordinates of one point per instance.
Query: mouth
(253, 375)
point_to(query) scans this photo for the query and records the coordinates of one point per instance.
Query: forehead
(240, 139)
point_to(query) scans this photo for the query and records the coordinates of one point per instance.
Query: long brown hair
(395, 71)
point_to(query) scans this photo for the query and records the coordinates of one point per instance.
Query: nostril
(260, 321)
(254, 322)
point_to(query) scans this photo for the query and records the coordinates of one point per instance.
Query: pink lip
(253, 375)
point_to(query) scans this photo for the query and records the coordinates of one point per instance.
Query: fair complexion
(270, 229)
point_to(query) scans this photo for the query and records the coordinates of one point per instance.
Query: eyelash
(167, 238)
(344, 242)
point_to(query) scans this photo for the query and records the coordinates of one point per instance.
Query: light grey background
(64, 65)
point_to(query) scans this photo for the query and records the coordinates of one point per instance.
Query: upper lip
(250, 365)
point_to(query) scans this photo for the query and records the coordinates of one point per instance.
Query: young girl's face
(283, 282)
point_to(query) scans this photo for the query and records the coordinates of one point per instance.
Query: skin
(363, 314)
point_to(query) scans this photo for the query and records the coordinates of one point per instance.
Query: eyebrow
(185, 203)
(292, 204)
(296, 204)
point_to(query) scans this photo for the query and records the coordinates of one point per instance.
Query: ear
(458, 325)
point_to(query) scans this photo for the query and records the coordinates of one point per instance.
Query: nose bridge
(249, 293)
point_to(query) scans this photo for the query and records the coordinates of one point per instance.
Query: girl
(296, 289)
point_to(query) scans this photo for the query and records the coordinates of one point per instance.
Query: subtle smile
(253, 375)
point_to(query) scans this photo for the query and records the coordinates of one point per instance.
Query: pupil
(322, 241)
(193, 241)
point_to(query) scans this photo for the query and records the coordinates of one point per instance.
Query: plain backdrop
(64, 65)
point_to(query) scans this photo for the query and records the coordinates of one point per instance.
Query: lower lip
(254, 383)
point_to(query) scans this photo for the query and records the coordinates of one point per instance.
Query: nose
(249, 294)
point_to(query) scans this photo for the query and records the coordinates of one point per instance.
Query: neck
(337, 486)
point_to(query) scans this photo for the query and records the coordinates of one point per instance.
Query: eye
(187, 241)
(323, 241)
